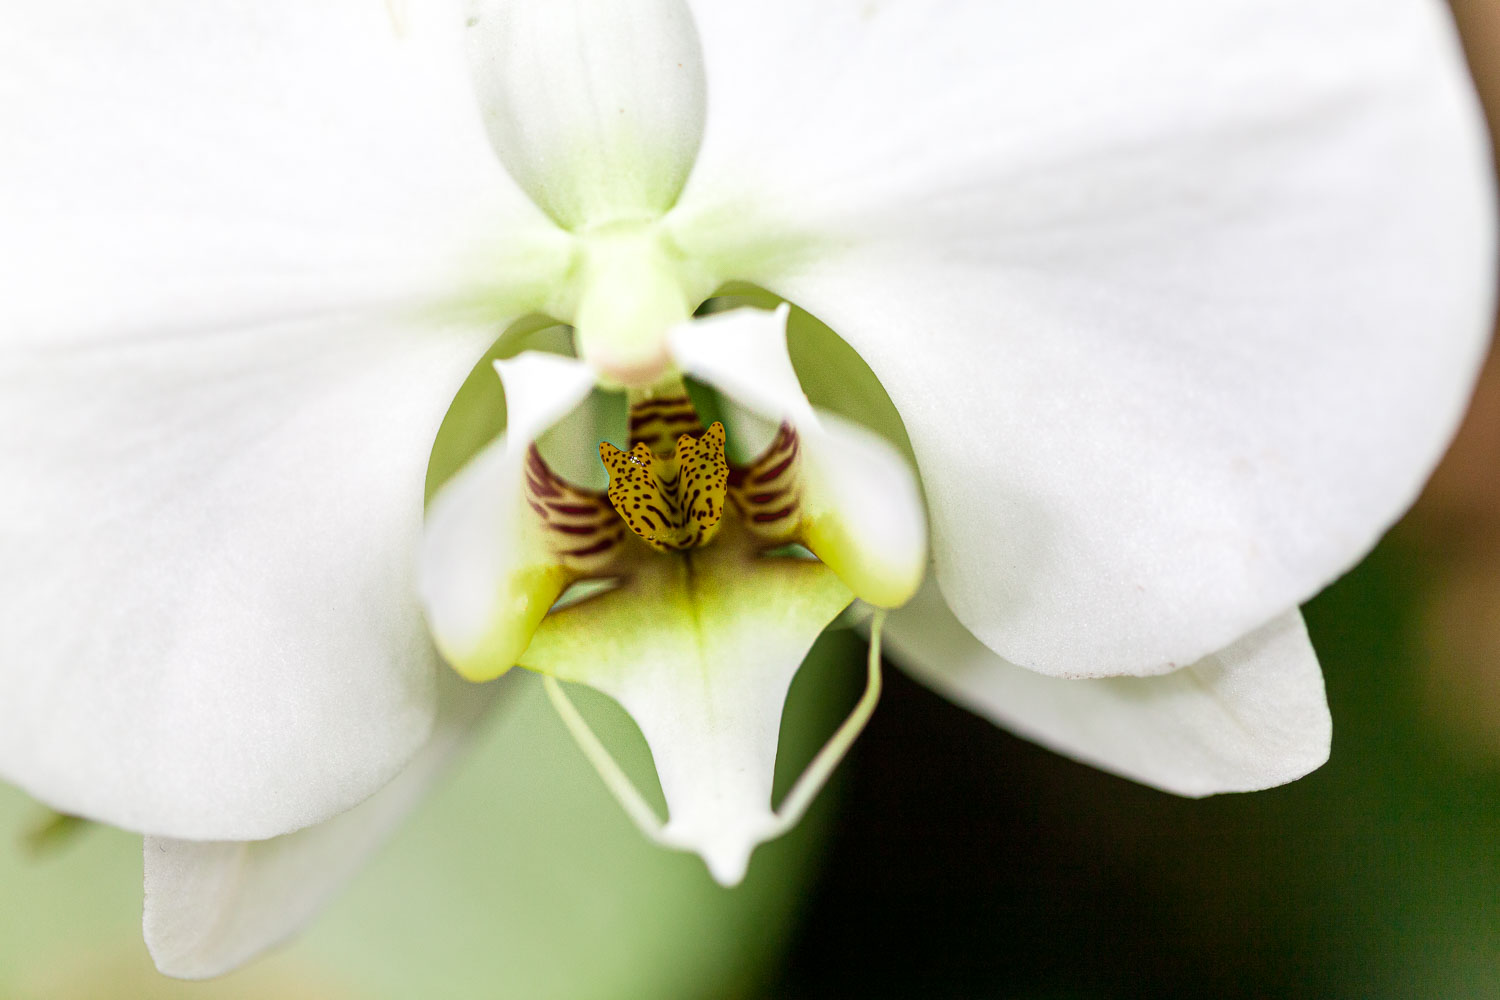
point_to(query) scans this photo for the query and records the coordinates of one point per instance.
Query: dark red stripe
(575, 509)
(636, 423)
(768, 497)
(777, 470)
(575, 529)
(664, 403)
(540, 488)
(593, 550)
(774, 515)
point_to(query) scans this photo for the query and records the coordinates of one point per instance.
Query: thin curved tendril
(615, 779)
(797, 801)
(817, 773)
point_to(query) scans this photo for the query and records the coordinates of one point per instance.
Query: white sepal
(1248, 717)
(596, 107)
(213, 905)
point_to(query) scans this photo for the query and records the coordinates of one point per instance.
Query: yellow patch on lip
(673, 501)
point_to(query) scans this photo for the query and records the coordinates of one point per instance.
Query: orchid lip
(727, 851)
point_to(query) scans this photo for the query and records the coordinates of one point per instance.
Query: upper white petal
(1179, 301)
(1248, 717)
(595, 106)
(213, 905)
(170, 167)
(232, 238)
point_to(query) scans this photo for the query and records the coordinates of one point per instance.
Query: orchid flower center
(691, 588)
(673, 500)
(671, 488)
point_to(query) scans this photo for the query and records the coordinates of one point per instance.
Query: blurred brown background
(1459, 517)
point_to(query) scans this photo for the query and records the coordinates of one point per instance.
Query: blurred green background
(949, 859)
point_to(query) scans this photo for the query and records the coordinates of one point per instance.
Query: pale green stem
(54, 830)
(615, 779)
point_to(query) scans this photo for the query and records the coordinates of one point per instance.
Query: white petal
(208, 618)
(487, 577)
(1248, 717)
(1179, 301)
(232, 242)
(213, 905)
(700, 650)
(168, 167)
(862, 510)
(596, 106)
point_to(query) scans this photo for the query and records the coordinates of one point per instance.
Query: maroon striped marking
(602, 545)
(574, 509)
(538, 476)
(776, 470)
(664, 403)
(637, 422)
(775, 515)
(575, 529)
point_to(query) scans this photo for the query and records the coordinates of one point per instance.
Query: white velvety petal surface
(230, 232)
(1248, 717)
(213, 905)
(1179, 301)
(208, 610)
(174, 165)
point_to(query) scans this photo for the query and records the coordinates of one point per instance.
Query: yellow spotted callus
(671, 501)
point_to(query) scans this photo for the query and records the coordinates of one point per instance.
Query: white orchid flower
(1178, 304)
